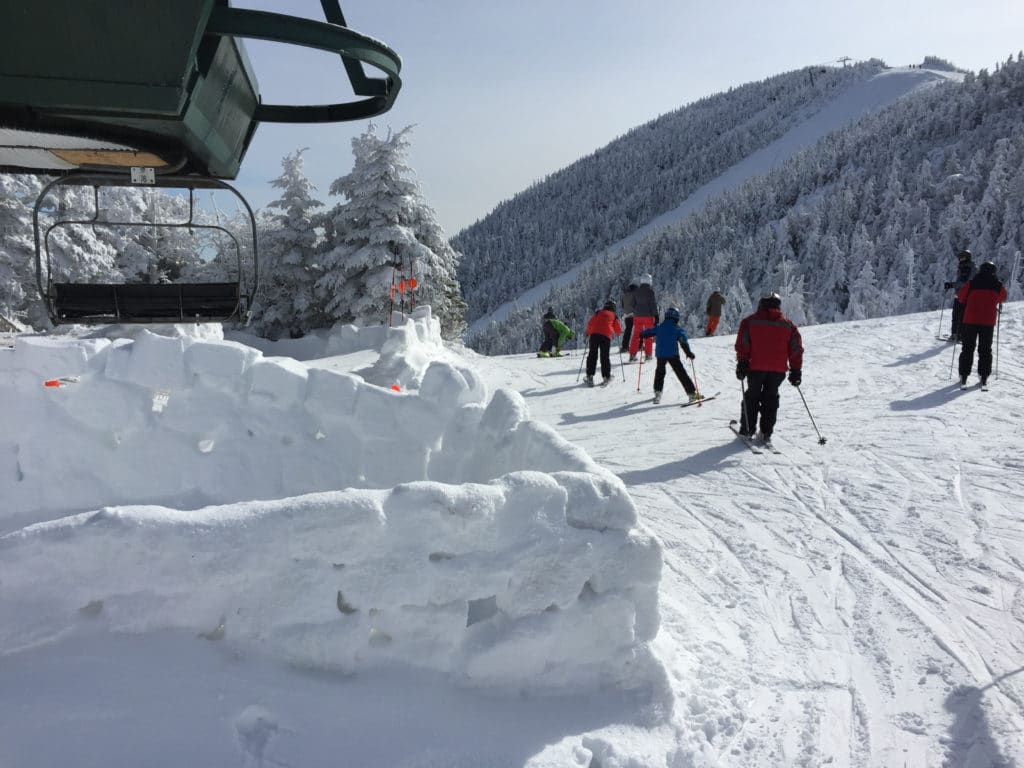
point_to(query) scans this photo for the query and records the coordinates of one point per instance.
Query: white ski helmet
(645, 279)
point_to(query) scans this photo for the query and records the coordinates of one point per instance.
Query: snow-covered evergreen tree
(287, 302)
(384, 233)
(19, 297)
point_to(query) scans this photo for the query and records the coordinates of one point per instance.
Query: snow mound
(327, 520)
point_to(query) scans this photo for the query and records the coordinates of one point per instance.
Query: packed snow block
(376, 408)
(109, 407)
(51, 358)
(327, 459)
(450, 386)
(450, 464)
(420, 420)
(635, 558)
(220, 364)
(597, 501)
(151, 361)
(386, 463)
(279, 381)
(350, 338)
(332, 394)
(504, 413)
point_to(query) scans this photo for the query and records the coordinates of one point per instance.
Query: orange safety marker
(412, 283)
(396, 388)
(60, 381)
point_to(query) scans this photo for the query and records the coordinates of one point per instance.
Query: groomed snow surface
(365, 548)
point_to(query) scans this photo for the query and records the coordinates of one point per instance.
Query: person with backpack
(602, 326)
(555, 335)
(627, 315)
(714, 310)
(981, 299)
(767, 343)
(645, 313)
(964, 272)
(668, 337)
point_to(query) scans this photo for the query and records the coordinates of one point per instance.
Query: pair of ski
(751, 443)
(695, 402)
(983, 387)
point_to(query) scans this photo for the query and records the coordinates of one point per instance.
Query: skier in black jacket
(964, 272)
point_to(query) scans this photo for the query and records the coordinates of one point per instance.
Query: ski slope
(858, 603)
(857, 101)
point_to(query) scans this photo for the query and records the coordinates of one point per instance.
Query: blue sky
(503, 93)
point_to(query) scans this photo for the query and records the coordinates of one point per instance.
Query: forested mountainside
(866, 223)
(567, 217)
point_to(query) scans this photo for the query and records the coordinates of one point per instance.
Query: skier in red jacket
(766, 345)
(603, 325)
(980, 298)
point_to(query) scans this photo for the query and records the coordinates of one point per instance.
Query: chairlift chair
(157, 93)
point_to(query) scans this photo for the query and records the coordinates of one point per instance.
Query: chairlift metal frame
(97, 303)
(175, 94)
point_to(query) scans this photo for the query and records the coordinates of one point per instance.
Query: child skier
(666, 335)
(555, 334)
(601, 327)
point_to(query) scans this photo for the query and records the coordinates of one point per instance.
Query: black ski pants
(627, 331)
(762, 397)
(980, 335)
(550, 338)
(958, 316)
(599, 345)
(677, 367)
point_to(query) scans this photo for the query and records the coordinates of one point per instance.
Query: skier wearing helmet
(964, 272)
(767, 342)
(668, 337)
(601, 327)
(645, 314)
(981, 299)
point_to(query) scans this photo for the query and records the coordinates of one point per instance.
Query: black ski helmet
(672, 314)
(987, 268)
(550, 314)
(609, 305)
(771, 301)
(965, 255)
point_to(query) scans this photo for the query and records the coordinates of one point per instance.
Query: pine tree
(382, 234)
(287, 302)
(19, 296)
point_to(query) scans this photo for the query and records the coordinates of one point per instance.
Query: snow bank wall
(488, 584)
(325, 519)
(186, 422)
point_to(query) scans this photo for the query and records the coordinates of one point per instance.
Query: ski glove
(742, 369)
(795, 378)
(689, 355)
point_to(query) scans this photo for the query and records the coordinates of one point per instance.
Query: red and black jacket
(980, 297)
(769, 341)
(604, 323)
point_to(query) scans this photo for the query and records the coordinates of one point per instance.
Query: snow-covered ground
(855, 102)
(493, 566)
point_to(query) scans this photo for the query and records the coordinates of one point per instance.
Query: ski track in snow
(854, 604)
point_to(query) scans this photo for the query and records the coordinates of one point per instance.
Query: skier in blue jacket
(667, 334)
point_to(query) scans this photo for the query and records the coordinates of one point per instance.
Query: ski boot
(657, 397)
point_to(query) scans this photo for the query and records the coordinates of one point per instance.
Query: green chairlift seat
(104, 86)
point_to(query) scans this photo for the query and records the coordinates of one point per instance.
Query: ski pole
(694, 369)
(955, 343)
(580, 373)
(999, 316)
(821, 440)
(746, 411)
(942, 309)
(622, 367)
(638, 371)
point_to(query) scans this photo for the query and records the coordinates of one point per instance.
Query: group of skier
(768, 344)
